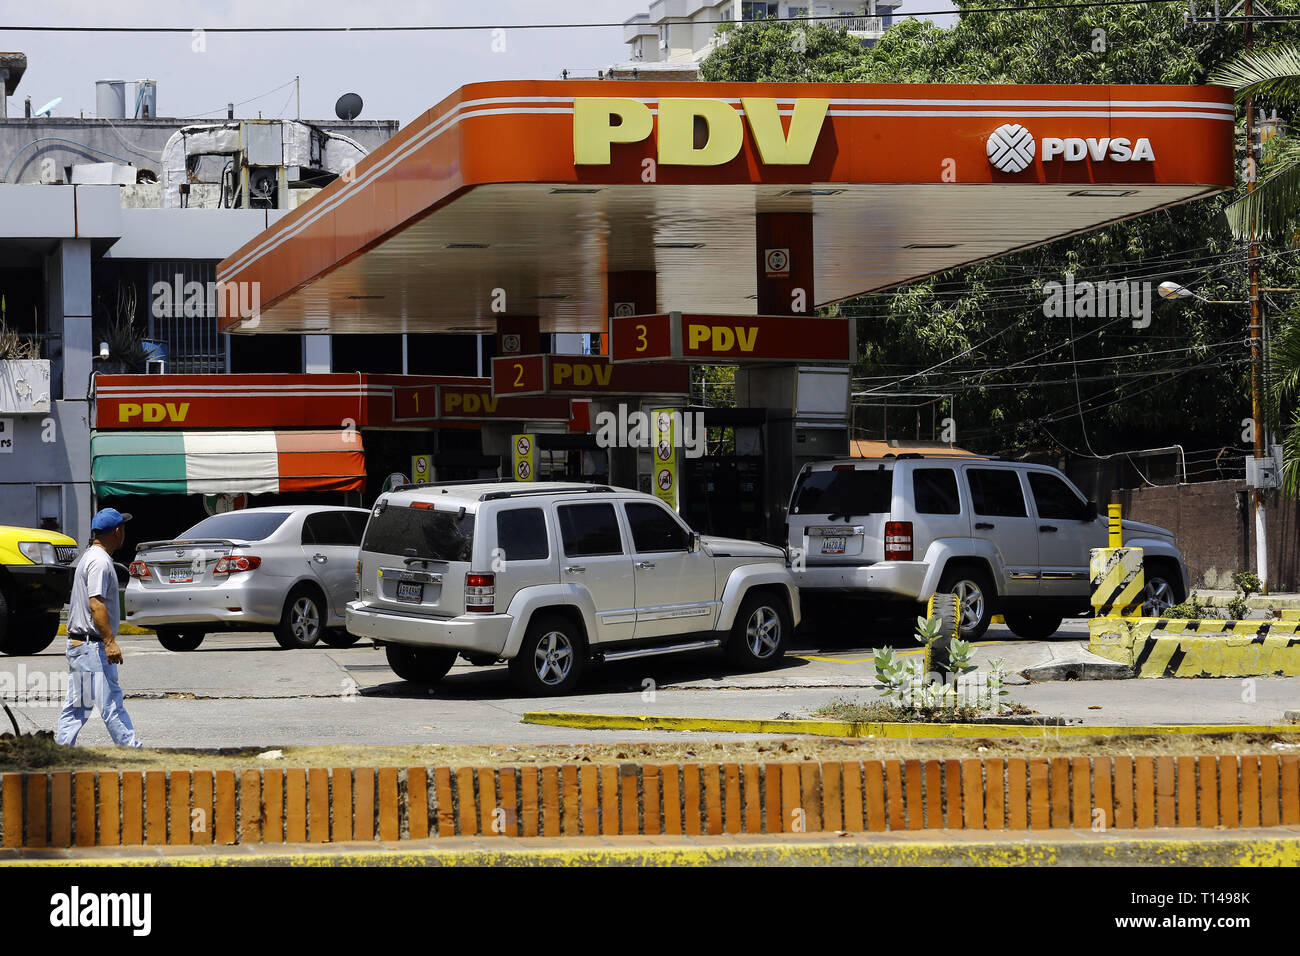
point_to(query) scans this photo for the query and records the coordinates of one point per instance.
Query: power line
(452, 28)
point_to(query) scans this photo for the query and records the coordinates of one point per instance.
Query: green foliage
(1016, 390)
(1246, 582)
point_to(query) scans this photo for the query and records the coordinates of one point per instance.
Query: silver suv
(1006, 537)
(548, 576)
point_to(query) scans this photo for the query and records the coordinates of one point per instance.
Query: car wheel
(1163, 590)
(180, 638)
(339, 637)
(976, 596)
(759, 632)
(550, 658)
(31, 634)
(4, 622)
(419, 665)
(302, 622)
(1034, 627)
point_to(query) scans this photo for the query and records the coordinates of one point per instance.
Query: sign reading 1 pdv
(729, 339)
(542, 374)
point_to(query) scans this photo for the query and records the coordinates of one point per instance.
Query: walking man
(93, 654)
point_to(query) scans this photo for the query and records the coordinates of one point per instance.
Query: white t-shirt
(94, 577)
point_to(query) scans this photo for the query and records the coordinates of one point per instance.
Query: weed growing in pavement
(910, 694)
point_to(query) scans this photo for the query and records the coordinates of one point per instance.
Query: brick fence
(66, 808)
(1211, 521)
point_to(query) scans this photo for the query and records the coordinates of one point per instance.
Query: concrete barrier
(1175, 647)
(364, 804)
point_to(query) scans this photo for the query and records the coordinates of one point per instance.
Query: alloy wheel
(553, 658)
(305, 620)
(763, 632)
(1158, 597)
(971, 599)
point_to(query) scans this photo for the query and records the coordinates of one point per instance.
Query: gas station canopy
(521, 198)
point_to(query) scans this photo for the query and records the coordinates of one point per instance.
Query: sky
(399, 76)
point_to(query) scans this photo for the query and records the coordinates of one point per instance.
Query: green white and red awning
(213, 462)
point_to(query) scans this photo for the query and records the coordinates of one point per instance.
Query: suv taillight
(898, 541)
(138, 569)
(237, 562)
(481, 593)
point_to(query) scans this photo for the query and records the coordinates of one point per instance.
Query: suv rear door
(596, 557)
(414, 559)
(837, 515)
(1067, 531)
(1000, 516)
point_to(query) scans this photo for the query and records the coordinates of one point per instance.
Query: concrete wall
(139, 142)
(1214, 527)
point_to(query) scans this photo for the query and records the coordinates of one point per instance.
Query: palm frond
(1272, 205)
(1259, 71)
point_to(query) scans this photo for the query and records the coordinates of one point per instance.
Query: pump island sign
(599, 123)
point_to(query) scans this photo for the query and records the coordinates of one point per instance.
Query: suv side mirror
(695, 542)
(1090, 511)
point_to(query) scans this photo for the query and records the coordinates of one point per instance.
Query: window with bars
(183, 316)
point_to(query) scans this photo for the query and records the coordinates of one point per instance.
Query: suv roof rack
(411, 486)
(522, 493)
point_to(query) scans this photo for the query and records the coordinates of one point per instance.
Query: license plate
(180, 576)
(410, 592)
(832, 546)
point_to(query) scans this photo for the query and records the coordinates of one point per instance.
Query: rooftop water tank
(110, 99)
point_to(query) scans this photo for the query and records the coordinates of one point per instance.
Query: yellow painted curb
(846, 728)
(1020, 849)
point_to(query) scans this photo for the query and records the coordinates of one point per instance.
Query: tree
(1024, 381)
(1269, 211)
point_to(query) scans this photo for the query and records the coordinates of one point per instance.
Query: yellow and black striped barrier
(1176, 647)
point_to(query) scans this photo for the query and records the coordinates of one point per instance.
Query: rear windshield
(420, 533)
(847, 493)
(238, 526)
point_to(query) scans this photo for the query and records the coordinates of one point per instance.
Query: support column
(68, 282)
(527, 327)
(783, 247)
(317, 354)
(629, 292)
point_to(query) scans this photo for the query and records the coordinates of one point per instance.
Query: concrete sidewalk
(1273, 846)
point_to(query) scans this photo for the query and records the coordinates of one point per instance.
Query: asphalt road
(243, 690)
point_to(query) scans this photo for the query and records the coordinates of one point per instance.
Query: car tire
(339, 637)
(1033, 627)
(760, 632)
(180, 638)
(4, 622)
(976, 594)
(419, 665)
(302, 623)
(550, 658)
(1164, 588)
(31, 634)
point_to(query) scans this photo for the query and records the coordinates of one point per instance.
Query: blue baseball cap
(107, 519)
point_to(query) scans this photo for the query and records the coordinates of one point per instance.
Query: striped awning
(209, 463)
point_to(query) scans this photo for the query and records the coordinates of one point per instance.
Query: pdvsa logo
(1011, 149)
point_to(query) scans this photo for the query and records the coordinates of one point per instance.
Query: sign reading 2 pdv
(545, 374)
(729, 339)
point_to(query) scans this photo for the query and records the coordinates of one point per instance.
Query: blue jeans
(92, 684)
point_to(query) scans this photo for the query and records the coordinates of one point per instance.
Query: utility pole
(1256, 330)
(1247, 18)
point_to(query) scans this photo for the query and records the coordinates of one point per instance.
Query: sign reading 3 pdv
(729, 339)
(521, 375)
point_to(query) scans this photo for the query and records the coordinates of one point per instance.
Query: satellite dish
(348, 106)
(45, 110)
